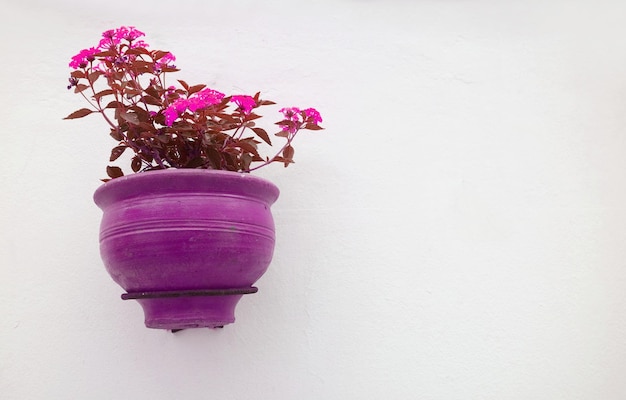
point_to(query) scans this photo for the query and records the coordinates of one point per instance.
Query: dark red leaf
(247, 145)
(79, 113)
(117, 152)
(137, 51)
(115, 134)
(129, 117)
(158, 54)
(106, 92)
(92, 77)
(151, 100)
(131, 92)
(246, 159)
(184, 84)
(214, 157)
(114, 172)
(80, 87)
(107, 53)
(195, 88)
(135, 164)
(288, 153)
(283, 160)
(152, 91)
(143, 65)
(114, 104)
(263, 135)
(252, 116)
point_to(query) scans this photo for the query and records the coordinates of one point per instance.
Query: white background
(456, 232)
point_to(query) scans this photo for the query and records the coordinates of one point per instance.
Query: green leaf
(79, 113)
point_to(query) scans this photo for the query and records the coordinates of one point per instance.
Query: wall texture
(456, 232)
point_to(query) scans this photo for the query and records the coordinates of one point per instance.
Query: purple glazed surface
(186, 229)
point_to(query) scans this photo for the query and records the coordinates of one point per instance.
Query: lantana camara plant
(168, 126)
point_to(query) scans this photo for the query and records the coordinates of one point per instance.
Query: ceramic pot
(187, 244)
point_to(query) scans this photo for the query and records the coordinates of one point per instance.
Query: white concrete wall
(456, 232)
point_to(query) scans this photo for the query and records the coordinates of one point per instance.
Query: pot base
(177, 310)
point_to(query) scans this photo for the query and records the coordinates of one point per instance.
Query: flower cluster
(167, 126)
(200, 100)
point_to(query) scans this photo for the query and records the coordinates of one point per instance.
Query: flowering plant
(189, 126)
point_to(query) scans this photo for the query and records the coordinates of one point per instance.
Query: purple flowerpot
(187, 244)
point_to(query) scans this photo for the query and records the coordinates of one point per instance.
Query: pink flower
(313, 114)
(109, 34)
(180, 105)
(203, 99)
(194, 104)
(291, 113)
(289, 127)
(139, 43)
(170, 115)
(183, 126)
(114, 37)
(128, 33)
(245, 103)
(174, 110)
(166, 61)
(210, 96)
(109, 40)
(81, 59)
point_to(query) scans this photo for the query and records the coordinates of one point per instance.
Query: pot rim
(185, 180)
